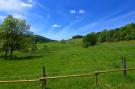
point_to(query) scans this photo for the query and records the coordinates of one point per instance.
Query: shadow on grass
(29, 57)
(47, 88)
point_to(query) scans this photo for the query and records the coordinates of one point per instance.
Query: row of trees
(124, 33)
(119, 34)
(15, 35)
(77, 37)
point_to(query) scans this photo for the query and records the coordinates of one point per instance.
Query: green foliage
(90, 40)
(124, 33)
(119, 34)
(13, 34)
(42, 39)
(102, 36)
(77, 37)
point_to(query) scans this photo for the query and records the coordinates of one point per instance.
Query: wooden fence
(44, 78)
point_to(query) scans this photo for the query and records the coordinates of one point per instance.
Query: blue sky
(62, 19)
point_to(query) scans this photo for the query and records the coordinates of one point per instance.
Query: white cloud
(14, 5)
(18, 15)
(67, 30)
(27, 5)
(30, 0)
(81, 11)
(77, 11)
(17, 8)
(56, 26)
(35, 3)
(72, 11)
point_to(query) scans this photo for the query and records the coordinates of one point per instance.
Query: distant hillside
(126, 32)
(39, 38)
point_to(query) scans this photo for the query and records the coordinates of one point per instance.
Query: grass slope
(70, 58)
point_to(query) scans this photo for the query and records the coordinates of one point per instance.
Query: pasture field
(64, 58)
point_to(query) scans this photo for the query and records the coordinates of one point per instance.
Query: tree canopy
(123, 33)
(13, 34)
(126, 32)
(90, 40)
(77, 37)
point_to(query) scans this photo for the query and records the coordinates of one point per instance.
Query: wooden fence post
(124, 67)
(44, 80)
(96, 78)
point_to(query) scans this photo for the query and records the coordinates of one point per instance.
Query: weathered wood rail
(44, 78)
(68, 76)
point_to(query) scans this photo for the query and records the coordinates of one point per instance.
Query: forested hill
(39, 38)
(126, 32)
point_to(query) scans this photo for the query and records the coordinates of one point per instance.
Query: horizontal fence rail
(19, 81)
(67, 76)
(91, 74)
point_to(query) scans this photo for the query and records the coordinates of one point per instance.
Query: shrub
(90, 40)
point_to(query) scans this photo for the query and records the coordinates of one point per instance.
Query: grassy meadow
(64, 58)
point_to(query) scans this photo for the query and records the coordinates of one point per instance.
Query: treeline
(42, 39)
(77, 37)
(119, 34)
(124, 33)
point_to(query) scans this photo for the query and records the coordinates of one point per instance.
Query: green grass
(70, 58)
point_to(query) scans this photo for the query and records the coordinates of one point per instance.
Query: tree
(13, 32)
(102, 36)
(109, 35)
(77, 37)
(90, 40)
(116, 35)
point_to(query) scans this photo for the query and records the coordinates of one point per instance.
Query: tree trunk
(11, 52)
(6, 53)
